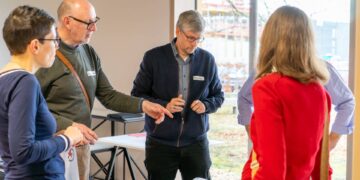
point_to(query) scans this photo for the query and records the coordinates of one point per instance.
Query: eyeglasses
(192, 39)
(90, 24)
(56, 40)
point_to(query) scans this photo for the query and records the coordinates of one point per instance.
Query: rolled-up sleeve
(245, 101)
(344, 102)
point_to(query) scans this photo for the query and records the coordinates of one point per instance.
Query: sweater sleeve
(268, 126)
(62, 122)
(344, 102)
(113, 99)
(216, 96)
(24, 148)
(144, 81)
(245, 101)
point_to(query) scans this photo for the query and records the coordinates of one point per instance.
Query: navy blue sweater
(158, 81)
(27, 144)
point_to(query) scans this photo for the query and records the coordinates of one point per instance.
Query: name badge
(198, 78)
(91, 73)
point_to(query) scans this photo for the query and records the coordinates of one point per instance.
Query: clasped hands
(79, 134)
(88, 135)
(177, 105)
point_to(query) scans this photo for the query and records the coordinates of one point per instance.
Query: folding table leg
(126, 156)
(100, 164)
(110, 174)
(139, 169)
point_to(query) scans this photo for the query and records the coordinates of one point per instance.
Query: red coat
(286, 128)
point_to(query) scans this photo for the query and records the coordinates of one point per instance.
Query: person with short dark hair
(184, 79)
(28, 146)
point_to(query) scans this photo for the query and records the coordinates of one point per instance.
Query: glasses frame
(192, 39)
(90, 24)
(56, 40)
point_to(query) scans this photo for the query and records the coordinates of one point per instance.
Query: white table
(108, 167)
(137, 142)
(108, 115)
(122, 143)
(131, 141)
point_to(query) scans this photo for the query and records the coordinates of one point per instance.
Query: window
(228, 39)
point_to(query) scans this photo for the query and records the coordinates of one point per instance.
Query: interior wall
(7, 6)
(126, 30)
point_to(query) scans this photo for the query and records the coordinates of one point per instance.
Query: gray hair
(191, 20)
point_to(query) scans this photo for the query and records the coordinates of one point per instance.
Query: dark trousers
(162, 161)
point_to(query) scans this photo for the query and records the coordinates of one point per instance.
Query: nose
(93, 27)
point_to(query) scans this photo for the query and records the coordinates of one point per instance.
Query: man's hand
(176, 104)
(155, 111)
(198, 106)
(333, 140)
(90, 136)
(74, 134)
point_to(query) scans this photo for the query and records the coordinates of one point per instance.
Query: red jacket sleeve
(269, 131)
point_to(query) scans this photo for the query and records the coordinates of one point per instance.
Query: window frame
(353, 141)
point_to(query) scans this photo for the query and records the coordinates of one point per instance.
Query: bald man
(71, 105)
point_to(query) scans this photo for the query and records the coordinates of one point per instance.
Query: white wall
(126, 30)
(7, 6)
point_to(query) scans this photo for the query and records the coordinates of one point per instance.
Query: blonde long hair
(287, 46)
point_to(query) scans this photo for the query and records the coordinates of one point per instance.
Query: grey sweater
(63, 93)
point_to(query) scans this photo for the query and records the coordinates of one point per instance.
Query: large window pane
(227, 38)
(330, 23)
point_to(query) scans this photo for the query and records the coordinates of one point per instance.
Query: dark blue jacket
(158, 81)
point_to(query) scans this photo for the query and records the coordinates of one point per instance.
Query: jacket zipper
(181, 130)
(182, 115)
(155, 128)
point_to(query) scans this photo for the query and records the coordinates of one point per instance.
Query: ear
(34, 46)
(65, 21)
(177, 31)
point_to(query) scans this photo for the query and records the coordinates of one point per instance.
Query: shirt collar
(173, 47)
